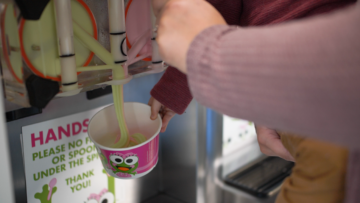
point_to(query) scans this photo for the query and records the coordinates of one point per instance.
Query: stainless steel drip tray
(241, 157)
(262, 179)
(249, 176)
(240, 160)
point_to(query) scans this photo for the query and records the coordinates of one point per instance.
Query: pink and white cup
(132, 162)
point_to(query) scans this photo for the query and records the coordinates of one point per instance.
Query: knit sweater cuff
(198, 62)
(173, 91)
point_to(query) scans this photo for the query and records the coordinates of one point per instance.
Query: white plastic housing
(64, 31)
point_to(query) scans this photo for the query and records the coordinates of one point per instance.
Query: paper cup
(132, 162)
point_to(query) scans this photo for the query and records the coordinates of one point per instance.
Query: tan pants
(319, 172)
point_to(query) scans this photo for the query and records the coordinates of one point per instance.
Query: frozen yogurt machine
(57, 63)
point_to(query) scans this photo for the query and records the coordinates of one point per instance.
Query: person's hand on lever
(165, 113)
(270, 143)
(178, 24)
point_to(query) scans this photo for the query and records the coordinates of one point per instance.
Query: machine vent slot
(22, 113)
(93, 94)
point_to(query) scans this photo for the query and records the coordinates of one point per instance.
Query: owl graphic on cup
(119, 164)
(124, 163)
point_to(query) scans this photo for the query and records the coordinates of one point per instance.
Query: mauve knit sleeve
(173, 91)
(302, 76)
